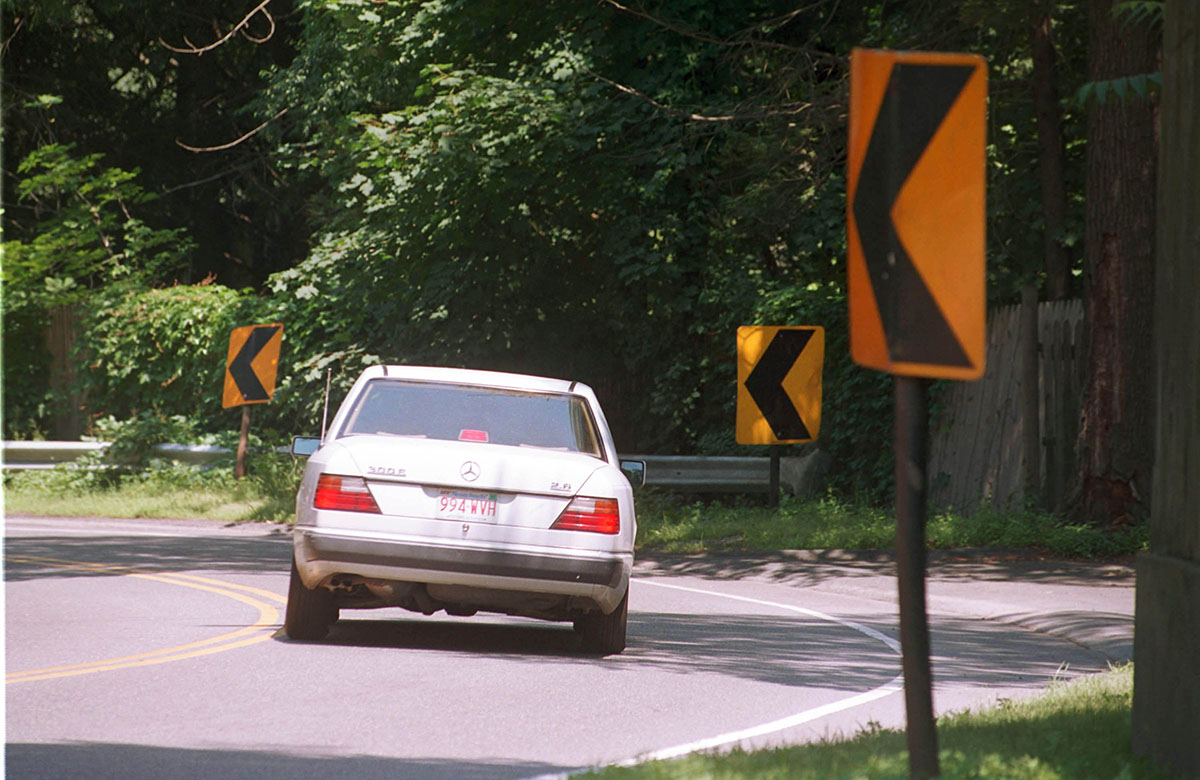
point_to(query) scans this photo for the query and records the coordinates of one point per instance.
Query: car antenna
(325, 412)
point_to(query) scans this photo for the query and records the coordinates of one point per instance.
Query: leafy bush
(158, 356)
(132, 441)
(87, 474)
(499, 201)
(82, 236)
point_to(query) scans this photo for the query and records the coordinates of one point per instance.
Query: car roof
(473, 376)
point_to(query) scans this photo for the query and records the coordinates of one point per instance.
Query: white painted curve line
(884, 638)
(887, 689)
(894, 685)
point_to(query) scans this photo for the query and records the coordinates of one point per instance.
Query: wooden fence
(976, 450)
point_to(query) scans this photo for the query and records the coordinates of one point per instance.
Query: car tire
(309, 613)
(604, 634)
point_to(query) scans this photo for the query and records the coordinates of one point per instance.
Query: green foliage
(133, 441)
(1124, 88)
(159, 355)
(522, 214)
(99, 77)
(28, 402)
(85, 236)
(1016, 216)
(590, 191)
(1129, 13)
(83, 239)
(1140, 12)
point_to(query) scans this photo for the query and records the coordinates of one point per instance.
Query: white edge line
(720, 740)
(887, 689)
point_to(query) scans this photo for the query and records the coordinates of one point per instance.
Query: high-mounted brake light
(470, 434)
(348, 493)
(598, 515)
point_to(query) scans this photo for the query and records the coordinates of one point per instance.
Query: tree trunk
(66, 421)
(1051, 157)
(1116, 439)
(1166, 688)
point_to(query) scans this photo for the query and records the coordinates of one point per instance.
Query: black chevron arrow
(917, 99)
(765, 384)
(239, 368)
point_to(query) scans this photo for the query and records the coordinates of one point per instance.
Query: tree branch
(233, 143)
(749, 37)
(19, 22)
(743, 38)
(693, 116)
(206, 180)
(191, 48)
(270, 33)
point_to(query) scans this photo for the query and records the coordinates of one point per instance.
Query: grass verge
(1078, 730)
(267, 494)
(667, 522)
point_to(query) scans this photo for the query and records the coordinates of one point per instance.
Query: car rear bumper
(600, 576)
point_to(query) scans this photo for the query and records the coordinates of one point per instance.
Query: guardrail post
(776, 453)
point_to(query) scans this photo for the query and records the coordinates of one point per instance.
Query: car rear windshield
(453, 412)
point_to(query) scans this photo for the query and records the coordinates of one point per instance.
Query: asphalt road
(151, 649)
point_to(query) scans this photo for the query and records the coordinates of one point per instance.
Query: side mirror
(634, 471)
(303, 446)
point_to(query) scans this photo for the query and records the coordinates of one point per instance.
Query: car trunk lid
(469, 481)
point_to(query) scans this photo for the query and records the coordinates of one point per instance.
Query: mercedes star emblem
(469, 471)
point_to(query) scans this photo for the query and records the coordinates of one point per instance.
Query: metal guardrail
(707, 473)
(688, 473)
(26, 455)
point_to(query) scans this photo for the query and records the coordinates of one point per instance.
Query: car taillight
(599, 515)
(349, 493)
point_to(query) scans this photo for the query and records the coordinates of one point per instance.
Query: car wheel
(604, 634)
(309, 613)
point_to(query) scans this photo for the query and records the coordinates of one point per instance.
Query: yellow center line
(133, 571)
(234, 586)
(268, 618)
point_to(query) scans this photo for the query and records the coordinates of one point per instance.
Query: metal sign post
(239, 466)
(916, 218)
(911, 434)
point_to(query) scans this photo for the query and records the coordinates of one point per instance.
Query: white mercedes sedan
(465, 491)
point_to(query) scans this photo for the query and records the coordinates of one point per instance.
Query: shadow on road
(144, 553)
(811, 567)
(793, 651)
(468, 635)
(104, 761)
(797, 652)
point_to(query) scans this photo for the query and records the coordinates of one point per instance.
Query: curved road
(151, 649)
